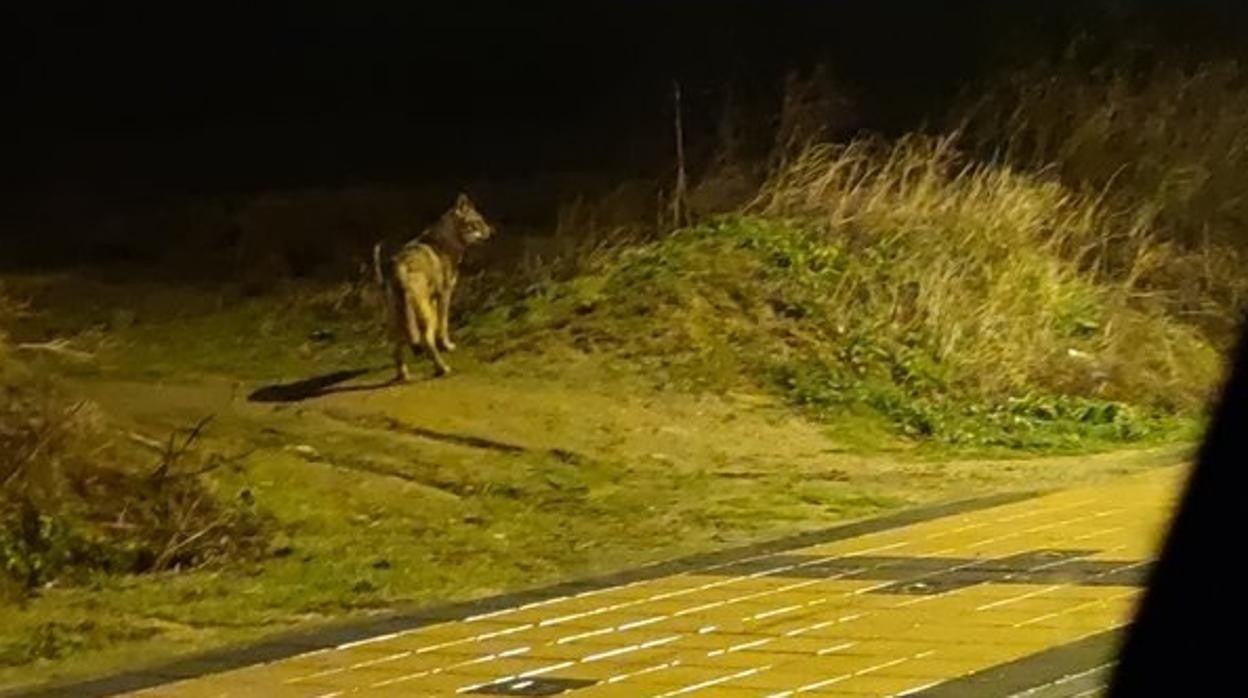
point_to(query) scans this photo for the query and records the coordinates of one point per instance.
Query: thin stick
(678, 194)
(59, 347)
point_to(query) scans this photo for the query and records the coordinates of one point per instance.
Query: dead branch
(173, 451)
(174, 546)
(59, 347)
(147, 441)
(215, 461)
(42, 438)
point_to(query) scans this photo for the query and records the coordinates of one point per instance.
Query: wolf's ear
(462, 204)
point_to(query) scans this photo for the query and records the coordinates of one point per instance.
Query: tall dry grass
(75, 498)
(1168, 143)
(896, 273)
(586, 235)
(1014, 280)
(10, 310)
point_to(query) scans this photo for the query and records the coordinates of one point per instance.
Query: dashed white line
(714, 682)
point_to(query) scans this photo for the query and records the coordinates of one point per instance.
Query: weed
(1164, 144)
(67, 509)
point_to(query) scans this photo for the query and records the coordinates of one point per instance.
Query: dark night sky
(231, 96)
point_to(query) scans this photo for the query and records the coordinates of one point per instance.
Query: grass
(448, 522)
(964, 306)
(464, 523)
(76, 502)
(1163, 141)
(154, 331)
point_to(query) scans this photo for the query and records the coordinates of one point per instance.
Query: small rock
(304, 450)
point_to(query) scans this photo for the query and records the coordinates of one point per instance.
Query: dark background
(219, 97)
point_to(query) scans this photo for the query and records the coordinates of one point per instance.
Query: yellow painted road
(890, 613)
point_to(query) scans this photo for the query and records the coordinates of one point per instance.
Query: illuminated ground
(994, 597)
(514, 473)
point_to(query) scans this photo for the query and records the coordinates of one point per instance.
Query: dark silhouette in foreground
(1186, 636)
(317, 386)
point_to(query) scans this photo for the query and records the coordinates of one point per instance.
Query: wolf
(417, 282)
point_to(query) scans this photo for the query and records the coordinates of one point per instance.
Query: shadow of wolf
(317, 386)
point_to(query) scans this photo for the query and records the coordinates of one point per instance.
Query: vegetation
(1166, 143)
(69, 510)
(966, 303)
(76, 500)
(1060, 277)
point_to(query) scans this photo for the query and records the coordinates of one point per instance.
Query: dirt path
(579, 415)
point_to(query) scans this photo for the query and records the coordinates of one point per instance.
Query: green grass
(947, 423)
(350, 542)
(154, 331)
(452, 523)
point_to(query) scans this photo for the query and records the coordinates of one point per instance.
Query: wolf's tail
(388, 296)
(377, 271)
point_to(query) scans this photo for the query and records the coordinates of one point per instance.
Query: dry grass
(76, 497)
(10, 310)
(1169, 143)
(1014, 279)
(965, 301)
(587, 235)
